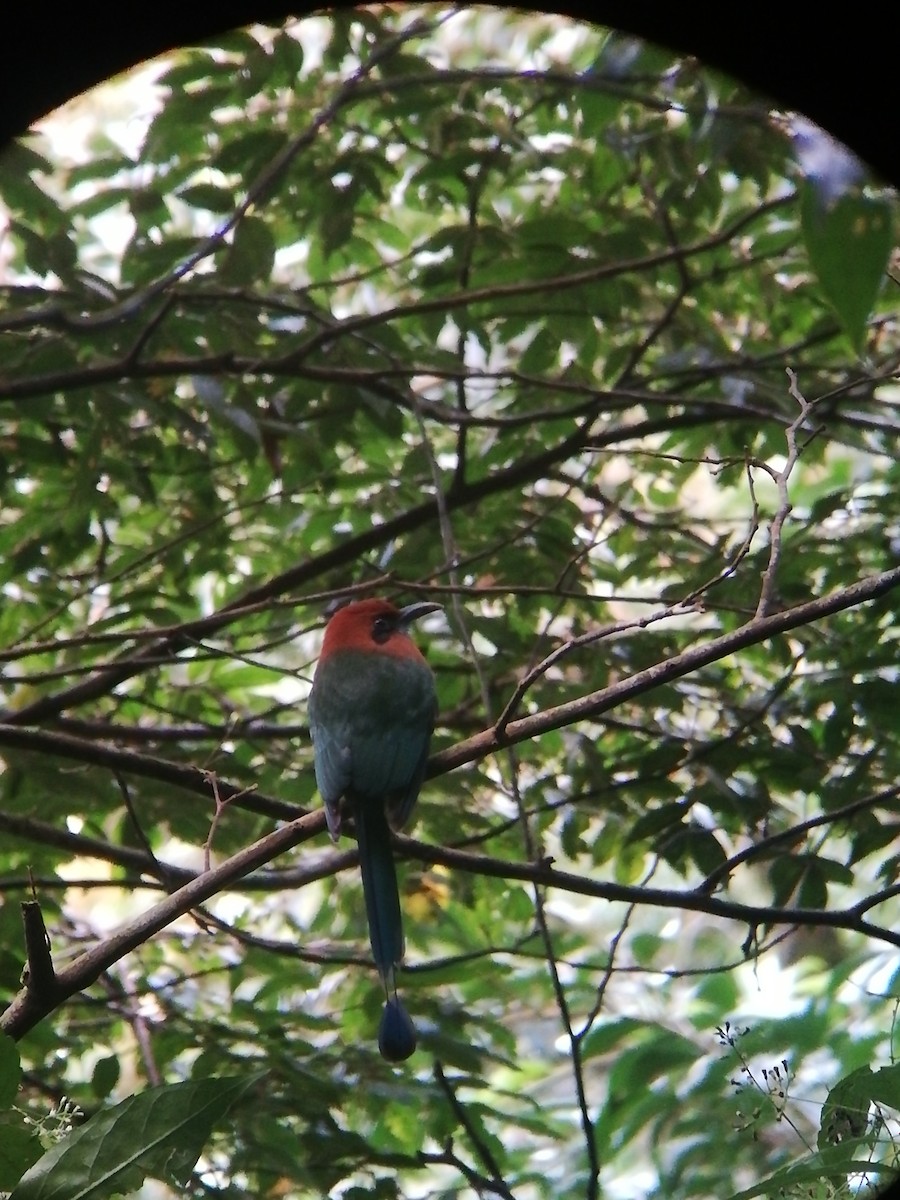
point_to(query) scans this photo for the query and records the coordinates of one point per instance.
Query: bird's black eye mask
(382, 628)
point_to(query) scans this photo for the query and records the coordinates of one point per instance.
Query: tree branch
(28, 1008)
(753, 915)
(760, 629)
(121, 668)
(187, 778)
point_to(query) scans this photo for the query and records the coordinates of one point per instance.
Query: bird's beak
(412, 612)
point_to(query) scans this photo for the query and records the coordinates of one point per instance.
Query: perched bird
(371, 712)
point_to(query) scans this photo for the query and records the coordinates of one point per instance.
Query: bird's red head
(374, 625)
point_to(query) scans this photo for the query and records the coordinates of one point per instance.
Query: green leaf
(337, 221)
(105, 1076)
(849, 245)
(207, 195)
(10, 1071)
(249, 151)
(19, 1149)
(251, 254)
(159, 1133)
(886, 1086)
(845, 1113)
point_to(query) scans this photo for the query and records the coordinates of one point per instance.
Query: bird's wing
(332, 765)
(401, 804)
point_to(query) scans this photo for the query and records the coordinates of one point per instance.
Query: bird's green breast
(371, 717)
(378, 689)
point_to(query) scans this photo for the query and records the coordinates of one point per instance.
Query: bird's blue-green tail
(396, 1034)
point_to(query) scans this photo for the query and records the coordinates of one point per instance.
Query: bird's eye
(382, 628)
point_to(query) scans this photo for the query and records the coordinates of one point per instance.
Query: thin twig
(776, 527)
(482, 1149)
(794, 834)
(679, 608)
(594, 704)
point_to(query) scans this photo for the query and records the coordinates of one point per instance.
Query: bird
(372, 709)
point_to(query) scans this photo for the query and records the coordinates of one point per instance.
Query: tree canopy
(598, 350)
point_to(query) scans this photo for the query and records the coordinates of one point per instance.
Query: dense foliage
(599, 351)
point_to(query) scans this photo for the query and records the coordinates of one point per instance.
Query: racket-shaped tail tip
(396, 1033)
